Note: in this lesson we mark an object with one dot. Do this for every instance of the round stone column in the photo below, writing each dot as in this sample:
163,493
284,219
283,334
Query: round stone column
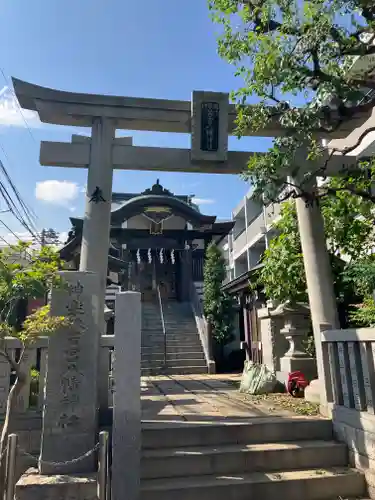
319,285
97,219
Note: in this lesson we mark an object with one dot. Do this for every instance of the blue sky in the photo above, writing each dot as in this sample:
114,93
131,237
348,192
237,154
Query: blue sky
149,48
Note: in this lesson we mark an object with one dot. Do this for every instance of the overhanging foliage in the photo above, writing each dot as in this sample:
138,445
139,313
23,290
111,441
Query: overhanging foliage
295,60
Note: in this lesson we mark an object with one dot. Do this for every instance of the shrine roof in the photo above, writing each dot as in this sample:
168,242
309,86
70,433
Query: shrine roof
122,197
153,198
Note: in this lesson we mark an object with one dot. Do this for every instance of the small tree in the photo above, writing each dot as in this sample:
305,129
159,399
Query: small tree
218,306
19,282
348,221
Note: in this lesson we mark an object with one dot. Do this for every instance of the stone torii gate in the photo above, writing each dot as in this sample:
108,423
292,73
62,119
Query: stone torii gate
209,118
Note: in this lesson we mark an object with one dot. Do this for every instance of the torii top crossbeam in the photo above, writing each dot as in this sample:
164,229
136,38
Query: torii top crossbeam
133,113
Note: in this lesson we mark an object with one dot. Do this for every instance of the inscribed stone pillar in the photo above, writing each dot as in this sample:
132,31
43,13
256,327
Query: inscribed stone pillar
96,224
70,410
126,430
319,280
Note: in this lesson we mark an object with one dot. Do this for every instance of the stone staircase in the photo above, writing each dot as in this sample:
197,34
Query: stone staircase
269,458
183,346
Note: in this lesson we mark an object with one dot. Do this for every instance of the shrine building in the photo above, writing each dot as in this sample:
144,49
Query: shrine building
157,240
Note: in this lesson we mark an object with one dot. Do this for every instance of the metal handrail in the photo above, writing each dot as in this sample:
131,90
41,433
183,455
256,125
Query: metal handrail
202,324
163,325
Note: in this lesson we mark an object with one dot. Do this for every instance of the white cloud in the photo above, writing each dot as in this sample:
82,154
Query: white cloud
13,239
7,239
60,193
10,113
203,201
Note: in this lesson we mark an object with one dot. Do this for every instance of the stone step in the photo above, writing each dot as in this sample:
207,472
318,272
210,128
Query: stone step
172,349
261,430
174,370
169,331
171,335
147,342
154,356
228,459
149,325
159,355
177,328
159,347
311,484
168,314
178,325
180,362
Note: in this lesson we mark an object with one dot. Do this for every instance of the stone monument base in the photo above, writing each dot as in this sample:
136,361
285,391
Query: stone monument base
34,486
292,364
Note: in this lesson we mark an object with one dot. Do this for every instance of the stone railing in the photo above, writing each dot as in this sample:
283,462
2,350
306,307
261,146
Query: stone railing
350,355
349,365
34,362
203,327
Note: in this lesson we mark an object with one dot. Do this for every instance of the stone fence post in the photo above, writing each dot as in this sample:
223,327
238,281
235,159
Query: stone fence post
126,430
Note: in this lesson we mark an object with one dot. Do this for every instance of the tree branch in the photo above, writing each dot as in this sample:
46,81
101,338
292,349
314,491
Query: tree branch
359,192
14,365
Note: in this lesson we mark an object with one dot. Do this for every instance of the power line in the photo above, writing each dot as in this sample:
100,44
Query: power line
30,215
13,209
10,230
24,214
5,241
15,235
18,106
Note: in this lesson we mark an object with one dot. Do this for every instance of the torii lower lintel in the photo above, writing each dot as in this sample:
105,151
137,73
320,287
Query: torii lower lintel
127,157
77,155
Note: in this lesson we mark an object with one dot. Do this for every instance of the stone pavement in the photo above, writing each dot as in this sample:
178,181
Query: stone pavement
199,398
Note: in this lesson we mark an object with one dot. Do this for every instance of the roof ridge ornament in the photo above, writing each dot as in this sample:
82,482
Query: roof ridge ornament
157,189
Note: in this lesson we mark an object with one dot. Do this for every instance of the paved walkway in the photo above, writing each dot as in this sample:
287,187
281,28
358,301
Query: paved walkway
199,398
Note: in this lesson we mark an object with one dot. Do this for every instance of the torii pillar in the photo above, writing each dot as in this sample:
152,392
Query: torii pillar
323,306
97,219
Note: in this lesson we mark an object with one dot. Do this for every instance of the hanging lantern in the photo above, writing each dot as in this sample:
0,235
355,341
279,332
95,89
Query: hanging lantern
173,260
138,256
161,257
149,256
